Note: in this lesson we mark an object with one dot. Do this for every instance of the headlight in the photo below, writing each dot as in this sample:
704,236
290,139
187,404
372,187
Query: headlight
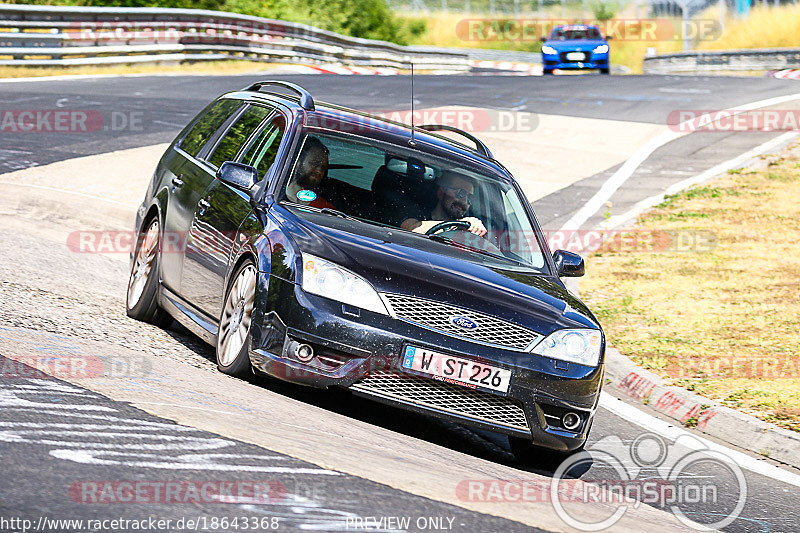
328,279
602,49
549,50
580,346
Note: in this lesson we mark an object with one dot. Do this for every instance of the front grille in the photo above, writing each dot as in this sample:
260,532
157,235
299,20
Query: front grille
436,315
446,397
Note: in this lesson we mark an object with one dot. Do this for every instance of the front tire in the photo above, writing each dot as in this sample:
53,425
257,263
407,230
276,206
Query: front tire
547,72
605,71
233,336
141,302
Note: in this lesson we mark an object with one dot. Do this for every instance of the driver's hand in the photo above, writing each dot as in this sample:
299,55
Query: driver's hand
475,226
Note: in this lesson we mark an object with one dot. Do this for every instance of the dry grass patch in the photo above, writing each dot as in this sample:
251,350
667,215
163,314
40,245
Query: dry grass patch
722,320
198,67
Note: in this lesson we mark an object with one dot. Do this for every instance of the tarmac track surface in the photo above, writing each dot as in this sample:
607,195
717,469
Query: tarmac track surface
45,289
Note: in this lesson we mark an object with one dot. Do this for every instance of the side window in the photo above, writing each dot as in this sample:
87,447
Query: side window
207,125
235,138
355,163
262,151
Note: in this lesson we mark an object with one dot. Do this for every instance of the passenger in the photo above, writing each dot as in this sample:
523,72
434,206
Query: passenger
455,193
311,171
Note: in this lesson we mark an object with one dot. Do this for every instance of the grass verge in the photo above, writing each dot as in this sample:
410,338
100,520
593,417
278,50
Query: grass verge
723,320
765,27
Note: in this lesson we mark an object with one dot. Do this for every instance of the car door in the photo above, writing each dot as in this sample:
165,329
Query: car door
188,180
252,139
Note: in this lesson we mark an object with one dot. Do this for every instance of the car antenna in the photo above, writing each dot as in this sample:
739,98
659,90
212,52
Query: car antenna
411,142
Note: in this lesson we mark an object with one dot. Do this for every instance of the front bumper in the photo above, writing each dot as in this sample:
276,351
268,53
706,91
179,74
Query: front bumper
555,61
363,353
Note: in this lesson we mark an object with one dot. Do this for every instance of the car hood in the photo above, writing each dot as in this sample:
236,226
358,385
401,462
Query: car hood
577,45
396,261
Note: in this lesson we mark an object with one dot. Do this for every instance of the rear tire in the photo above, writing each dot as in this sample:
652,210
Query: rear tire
605,71
233,336
141,302
547,72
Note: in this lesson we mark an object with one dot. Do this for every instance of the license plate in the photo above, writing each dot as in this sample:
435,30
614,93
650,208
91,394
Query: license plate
575,56
456,370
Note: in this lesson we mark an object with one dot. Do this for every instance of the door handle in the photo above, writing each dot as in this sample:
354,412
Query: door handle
203,206
177,182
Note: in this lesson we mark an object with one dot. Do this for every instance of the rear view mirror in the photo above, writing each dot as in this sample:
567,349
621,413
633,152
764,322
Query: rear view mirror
238,175
568,264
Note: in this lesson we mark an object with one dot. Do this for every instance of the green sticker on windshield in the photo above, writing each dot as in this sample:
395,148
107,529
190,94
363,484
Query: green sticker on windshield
306,196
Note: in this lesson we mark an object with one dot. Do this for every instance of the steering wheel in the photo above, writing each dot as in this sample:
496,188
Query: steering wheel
448,225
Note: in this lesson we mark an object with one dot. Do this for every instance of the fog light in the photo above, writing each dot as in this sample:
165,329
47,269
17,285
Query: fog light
571,421
304,353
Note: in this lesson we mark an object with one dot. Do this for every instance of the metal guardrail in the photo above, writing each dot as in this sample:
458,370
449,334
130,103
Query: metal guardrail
59,35
729,60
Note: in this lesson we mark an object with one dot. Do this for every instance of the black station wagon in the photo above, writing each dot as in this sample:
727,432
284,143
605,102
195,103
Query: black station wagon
328,247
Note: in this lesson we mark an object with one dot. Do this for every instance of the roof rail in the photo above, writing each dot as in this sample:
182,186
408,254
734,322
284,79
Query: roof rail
306,101
480,147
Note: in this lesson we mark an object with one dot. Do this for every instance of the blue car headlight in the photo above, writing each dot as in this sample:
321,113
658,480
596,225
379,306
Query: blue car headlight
581,346
602,49
324,278
549,50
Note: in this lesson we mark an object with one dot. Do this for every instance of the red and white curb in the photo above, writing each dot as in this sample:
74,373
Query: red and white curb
338,69
519,69
787,74
507,67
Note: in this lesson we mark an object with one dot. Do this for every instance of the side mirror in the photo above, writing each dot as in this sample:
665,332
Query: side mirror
238,175
609,37
568,264
543,39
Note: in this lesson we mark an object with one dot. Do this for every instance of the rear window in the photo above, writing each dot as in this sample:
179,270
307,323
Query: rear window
209,122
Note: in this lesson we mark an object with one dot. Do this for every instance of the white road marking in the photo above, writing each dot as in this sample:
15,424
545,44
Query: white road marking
185,462
151,446
613,183
675,188
671,432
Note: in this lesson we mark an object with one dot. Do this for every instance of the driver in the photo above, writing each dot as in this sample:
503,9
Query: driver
455,193
312,170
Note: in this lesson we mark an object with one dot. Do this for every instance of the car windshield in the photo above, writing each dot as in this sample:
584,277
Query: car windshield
570,34
390,185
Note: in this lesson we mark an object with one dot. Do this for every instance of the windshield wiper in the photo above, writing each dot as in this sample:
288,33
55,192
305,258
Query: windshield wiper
445,240
337,213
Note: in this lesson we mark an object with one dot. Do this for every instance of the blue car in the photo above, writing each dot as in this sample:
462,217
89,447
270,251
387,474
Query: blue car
575,47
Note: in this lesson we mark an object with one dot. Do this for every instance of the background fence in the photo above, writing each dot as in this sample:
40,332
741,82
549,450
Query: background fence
727,61
58,35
